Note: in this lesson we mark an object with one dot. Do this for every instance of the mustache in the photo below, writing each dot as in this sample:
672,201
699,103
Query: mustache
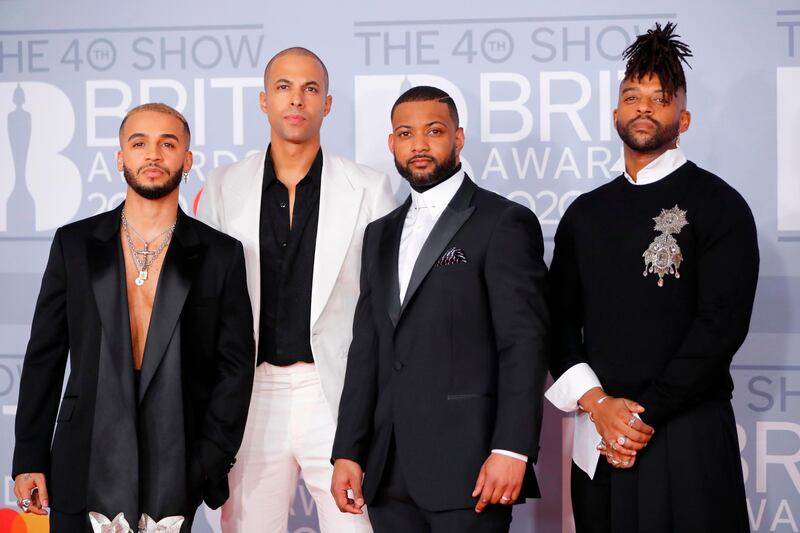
142,168
421,157
649,119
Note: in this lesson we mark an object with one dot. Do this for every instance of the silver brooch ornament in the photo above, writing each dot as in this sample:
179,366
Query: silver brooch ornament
664,256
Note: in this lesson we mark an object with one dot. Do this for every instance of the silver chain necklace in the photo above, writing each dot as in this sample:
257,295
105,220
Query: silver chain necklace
148,256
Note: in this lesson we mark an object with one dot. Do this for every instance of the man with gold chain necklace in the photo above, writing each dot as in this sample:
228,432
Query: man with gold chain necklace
151,308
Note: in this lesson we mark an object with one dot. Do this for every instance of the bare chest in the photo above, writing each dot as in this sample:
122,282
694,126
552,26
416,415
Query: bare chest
141,289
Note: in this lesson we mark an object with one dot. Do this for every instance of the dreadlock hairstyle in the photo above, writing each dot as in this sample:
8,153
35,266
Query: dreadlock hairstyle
658,52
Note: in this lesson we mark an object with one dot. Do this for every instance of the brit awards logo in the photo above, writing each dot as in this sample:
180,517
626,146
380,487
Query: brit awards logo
40,188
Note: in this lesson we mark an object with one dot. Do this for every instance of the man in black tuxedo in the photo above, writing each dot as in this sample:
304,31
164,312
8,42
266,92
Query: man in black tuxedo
151,307
442,402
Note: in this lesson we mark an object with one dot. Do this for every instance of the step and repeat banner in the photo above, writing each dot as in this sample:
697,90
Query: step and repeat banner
535,83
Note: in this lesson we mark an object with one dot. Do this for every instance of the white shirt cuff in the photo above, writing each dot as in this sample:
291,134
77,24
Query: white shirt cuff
585,439
564,394
512,454
572,384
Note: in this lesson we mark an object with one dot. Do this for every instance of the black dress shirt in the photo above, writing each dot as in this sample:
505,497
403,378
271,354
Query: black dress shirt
287,266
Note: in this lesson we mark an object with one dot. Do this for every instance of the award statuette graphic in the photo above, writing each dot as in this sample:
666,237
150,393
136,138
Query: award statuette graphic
664,256
21,208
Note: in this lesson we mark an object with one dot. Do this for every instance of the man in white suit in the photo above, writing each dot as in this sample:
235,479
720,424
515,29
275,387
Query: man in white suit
300,214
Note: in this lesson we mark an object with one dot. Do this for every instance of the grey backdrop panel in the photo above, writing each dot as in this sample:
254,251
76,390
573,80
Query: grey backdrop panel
535,84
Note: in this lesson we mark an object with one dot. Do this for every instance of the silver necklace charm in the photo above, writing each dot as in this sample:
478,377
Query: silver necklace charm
664,256
148,256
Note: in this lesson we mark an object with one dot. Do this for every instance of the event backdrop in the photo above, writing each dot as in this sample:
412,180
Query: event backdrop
535,83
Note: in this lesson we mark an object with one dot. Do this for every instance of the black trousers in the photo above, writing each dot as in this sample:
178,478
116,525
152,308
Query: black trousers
394,511
69,523
670,488
591,499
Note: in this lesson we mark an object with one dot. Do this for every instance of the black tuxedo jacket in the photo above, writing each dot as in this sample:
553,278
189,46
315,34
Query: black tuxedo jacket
202,288
458,369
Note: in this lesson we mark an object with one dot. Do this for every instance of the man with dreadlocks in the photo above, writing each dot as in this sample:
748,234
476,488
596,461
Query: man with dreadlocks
648,316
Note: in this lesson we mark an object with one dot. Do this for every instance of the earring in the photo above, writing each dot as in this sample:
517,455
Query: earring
678,141
185,176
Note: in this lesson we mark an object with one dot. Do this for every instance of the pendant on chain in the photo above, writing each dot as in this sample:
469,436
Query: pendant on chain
149,256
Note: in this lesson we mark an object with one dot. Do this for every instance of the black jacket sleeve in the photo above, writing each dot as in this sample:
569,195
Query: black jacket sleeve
515,276
356,408
229,402
43,369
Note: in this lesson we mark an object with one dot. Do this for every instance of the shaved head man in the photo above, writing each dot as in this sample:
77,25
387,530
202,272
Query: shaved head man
300,211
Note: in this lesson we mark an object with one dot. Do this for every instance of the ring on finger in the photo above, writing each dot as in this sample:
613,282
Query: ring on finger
615,461
613,445
631,421
621,440
505,499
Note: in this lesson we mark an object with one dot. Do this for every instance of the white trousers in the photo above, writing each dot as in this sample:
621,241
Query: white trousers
289,429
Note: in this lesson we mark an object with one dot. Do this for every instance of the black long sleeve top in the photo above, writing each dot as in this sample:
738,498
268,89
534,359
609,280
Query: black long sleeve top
668,347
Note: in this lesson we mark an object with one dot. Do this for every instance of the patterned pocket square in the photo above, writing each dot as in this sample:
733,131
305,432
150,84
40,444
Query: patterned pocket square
453,256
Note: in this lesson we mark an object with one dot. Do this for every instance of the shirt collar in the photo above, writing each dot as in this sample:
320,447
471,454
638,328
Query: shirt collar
658,168
439,196
314,173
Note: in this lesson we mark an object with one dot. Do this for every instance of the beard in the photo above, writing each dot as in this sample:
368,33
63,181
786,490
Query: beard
153,192
441,170
661,136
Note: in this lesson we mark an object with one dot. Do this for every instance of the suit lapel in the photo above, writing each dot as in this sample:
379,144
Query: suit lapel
243,201
106,272
453,217
339,206
176,277
241,194
389,250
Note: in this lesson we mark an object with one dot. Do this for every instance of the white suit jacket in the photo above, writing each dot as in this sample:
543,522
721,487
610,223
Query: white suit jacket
351,196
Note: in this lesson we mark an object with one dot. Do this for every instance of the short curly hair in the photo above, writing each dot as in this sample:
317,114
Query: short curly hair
426,93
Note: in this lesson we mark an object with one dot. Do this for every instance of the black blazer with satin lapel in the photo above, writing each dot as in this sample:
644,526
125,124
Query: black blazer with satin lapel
202,286
458,368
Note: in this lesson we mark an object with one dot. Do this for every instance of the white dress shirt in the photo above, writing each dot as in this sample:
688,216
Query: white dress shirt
580,378
426,208
656,169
